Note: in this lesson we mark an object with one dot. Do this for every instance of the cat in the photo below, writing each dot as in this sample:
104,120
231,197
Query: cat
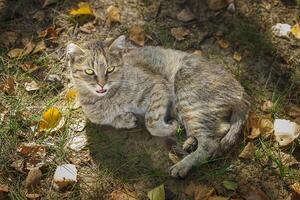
168,87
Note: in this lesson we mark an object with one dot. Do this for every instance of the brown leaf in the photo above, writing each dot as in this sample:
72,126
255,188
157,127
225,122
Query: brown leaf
293,111
28,67
266,126
237,56
124,195
252,193
216,4
137,35
180,33
255,132
296,187
32,149
8,39
185,15
113,15
33,178
41,46
288,160
14,53
248,151
4,189
8,85
49,32
267,106
224,44
199,192
33,196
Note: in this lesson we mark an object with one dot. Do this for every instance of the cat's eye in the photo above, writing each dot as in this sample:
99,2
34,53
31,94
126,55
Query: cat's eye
89,72
110,69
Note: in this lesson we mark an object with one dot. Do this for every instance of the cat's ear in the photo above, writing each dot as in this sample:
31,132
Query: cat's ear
73,51
119,44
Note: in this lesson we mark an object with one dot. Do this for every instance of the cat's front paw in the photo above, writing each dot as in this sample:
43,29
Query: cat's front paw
127,120
180,169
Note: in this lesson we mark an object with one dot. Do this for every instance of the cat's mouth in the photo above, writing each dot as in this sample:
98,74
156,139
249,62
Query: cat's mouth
101,91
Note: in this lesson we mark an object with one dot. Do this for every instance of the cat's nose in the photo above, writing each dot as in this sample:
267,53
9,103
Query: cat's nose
101,82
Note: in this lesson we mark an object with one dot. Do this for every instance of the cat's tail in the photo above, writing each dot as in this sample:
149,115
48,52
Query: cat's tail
238,118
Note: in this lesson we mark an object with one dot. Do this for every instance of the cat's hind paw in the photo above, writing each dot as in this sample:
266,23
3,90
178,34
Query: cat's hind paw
190,145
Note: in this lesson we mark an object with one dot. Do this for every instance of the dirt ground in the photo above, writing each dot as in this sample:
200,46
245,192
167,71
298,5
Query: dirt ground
132,161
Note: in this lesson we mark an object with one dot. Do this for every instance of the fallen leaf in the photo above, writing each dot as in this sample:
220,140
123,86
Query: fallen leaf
224,44
8,39
32,149
4,188
71,95
152,10
39,15
252,193
78,124
198,52
51,119
296,30
248,151
180,33
41,46
137,35
237,56
266,126
295,187
28,67
113,15
157,193
199,192
285,131
185,15
65,175
33,196
77,143
31,86
293,111
49,32
14,53
83,9
122,195
216,4
8,85
281,30
33,178
230,185
267,106
88,28
288,160
17,52
49,2
255,132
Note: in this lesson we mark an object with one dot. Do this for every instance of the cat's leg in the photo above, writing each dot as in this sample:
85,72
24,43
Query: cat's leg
207,146
159,111
125,120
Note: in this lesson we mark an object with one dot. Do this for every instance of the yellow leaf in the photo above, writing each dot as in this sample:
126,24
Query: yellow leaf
296,187
50,119
113,14
237,56
137,35
224,44
71,95
296,30
83,9
157,193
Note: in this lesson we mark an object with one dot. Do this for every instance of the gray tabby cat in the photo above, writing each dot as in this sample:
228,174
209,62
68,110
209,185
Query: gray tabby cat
167,87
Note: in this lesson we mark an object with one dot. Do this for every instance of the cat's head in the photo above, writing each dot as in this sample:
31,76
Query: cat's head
96,66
